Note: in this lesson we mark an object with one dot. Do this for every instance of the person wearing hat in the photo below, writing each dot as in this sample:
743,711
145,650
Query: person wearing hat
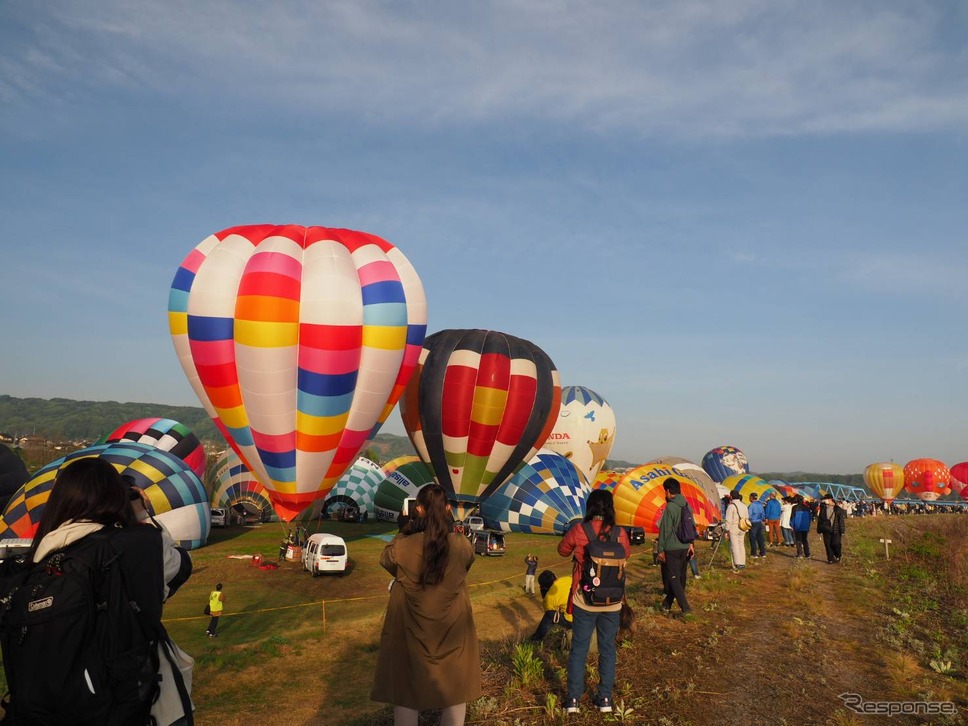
735,512
831,525
531,567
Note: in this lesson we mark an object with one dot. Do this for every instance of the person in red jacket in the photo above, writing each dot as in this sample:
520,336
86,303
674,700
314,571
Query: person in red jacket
603,619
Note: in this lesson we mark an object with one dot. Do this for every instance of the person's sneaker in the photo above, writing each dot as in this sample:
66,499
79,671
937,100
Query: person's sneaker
571,705
697,577
603,704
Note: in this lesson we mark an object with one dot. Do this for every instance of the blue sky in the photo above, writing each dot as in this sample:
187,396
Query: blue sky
741,222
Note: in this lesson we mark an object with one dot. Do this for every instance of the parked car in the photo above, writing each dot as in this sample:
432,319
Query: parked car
220,517
474,523
636,535
325,553
488,542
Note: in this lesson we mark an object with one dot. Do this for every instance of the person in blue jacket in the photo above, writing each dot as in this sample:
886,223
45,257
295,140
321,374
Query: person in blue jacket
800,521
774,512
758,520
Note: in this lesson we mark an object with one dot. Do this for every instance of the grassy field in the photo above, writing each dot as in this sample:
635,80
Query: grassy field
779,643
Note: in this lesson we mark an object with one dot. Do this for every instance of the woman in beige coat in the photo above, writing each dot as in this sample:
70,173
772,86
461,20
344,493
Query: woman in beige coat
429,656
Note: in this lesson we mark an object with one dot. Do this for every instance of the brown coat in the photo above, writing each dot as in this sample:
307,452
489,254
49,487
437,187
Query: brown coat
429,655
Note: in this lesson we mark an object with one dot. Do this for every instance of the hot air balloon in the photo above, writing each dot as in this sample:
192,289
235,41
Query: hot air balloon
640,498
607,480
543,496
13,474
724,461
693,472
584,431
164,434
298,342
885,479
927,479
178,499
959,479
747,484
404,481
481,403
236,485
356,488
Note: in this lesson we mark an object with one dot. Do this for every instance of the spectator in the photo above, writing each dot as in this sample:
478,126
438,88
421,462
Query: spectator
774,513
800,519
786,510
555,592
673,554
831,525
531,563
735,513
216,603
758,520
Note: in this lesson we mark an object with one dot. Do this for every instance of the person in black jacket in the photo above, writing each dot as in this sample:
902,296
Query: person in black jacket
831,525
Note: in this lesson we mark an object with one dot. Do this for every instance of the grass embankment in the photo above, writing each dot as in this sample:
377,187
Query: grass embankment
777,643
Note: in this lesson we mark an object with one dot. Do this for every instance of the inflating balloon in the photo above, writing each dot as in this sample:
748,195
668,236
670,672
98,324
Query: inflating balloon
403,482
178,499
927,479
13,474
724,461
356,488
164,434
584,430
747,484
481,403
607,479
885,479
640,499
298,342
691,471
544,496
235,484
959,479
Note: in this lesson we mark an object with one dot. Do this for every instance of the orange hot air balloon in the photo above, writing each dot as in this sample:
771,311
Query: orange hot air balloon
885,479
640,499
927,479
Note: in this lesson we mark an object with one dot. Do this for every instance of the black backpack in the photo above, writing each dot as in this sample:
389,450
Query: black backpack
602,579
686,532
74,605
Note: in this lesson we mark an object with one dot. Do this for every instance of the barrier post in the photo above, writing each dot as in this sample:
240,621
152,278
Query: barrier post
324,617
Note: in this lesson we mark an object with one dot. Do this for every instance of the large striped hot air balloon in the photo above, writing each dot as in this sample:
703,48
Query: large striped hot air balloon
178,499
481,403
545,495
298,342
927,479
724,461
164,434
584,430
885,479
640,499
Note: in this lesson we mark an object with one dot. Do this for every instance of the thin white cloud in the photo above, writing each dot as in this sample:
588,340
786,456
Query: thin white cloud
915,273
690,69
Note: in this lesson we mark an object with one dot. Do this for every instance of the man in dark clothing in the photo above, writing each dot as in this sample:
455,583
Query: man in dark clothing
831,525
800,522
673,554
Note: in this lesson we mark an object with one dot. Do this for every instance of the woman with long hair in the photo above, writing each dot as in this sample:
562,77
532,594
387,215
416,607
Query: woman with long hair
90,520
429,656
588,617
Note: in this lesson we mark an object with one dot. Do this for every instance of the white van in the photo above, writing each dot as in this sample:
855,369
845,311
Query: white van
325,553
219,517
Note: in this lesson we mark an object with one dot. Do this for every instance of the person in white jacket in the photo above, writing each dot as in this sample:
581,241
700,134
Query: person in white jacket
735,511
786,509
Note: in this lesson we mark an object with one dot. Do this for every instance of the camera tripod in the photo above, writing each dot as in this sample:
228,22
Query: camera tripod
717,534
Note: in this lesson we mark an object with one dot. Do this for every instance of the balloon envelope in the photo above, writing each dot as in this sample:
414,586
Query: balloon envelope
404,481
640,498
607,479
13,474
177,496
164,434
235,484
885,479
480,404
357,487
693,472
584,430
747,484
724,461
959,479
544,496
298,342
927,479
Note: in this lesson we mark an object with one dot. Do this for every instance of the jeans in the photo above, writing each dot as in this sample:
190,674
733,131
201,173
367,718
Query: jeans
674,579
547,622
787,535
757,540
803,544
583,623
